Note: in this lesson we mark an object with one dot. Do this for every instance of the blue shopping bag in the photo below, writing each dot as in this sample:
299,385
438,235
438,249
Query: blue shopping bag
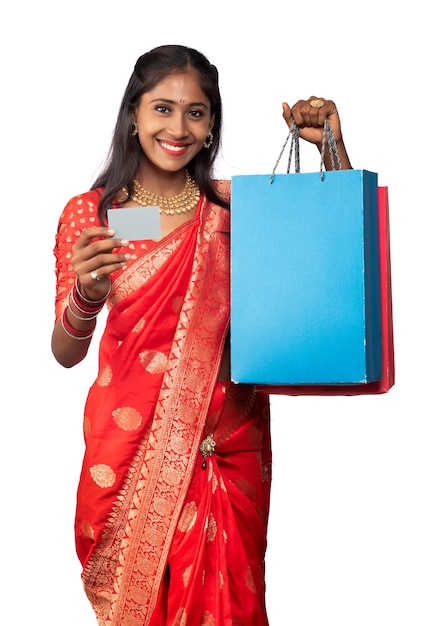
305,289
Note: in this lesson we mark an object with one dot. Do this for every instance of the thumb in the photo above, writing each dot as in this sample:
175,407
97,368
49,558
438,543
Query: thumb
287,114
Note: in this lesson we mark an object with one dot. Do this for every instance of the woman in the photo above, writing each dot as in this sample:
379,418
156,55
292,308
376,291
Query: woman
173,498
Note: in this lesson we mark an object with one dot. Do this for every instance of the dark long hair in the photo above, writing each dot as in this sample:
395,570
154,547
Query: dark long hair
125,152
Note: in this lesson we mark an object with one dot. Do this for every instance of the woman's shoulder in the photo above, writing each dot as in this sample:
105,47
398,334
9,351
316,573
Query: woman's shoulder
222,188
87,198
84,206
220,212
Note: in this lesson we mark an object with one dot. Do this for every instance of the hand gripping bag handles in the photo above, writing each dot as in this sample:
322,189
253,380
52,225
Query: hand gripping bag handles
310,280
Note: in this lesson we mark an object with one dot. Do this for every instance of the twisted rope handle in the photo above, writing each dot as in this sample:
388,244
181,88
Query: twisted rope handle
327,137
294,145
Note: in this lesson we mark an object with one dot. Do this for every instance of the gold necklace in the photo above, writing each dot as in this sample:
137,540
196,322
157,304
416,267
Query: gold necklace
182,203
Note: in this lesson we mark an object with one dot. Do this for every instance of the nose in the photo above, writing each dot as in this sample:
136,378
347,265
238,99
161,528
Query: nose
177,127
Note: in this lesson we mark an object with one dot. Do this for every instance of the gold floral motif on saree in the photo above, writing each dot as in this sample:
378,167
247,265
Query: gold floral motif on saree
105,376
127,418
103,475
153,361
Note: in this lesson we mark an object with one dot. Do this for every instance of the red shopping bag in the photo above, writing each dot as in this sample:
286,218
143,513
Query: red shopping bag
388,372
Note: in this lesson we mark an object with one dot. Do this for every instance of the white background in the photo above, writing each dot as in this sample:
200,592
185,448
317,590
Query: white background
356,519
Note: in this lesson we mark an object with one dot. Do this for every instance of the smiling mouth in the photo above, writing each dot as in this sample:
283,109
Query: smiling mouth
176,148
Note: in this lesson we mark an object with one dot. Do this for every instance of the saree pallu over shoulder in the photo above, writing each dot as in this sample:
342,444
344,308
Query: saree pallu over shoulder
146,412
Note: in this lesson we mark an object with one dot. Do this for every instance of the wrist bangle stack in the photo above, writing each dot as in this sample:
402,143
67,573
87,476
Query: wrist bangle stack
90,308
73,332
85,310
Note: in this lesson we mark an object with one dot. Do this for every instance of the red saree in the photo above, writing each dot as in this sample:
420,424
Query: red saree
166,539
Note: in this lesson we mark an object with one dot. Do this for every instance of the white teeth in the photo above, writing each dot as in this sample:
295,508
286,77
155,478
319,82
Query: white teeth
173,148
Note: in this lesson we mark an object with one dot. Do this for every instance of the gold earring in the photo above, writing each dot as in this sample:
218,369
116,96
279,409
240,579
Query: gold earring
135,130
209,140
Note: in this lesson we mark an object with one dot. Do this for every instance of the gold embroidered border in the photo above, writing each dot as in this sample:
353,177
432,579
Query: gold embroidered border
177,428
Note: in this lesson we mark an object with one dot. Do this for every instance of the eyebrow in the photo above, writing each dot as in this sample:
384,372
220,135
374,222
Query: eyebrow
191,104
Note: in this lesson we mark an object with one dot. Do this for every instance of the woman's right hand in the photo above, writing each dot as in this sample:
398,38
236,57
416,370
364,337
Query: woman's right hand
94,259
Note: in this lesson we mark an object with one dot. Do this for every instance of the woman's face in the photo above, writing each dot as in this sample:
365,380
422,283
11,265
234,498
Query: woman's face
173,121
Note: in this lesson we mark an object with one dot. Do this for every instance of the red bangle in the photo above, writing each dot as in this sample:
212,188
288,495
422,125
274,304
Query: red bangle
87,315
83,304
73,332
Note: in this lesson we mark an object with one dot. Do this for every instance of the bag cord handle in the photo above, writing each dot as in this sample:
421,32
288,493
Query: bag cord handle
327,138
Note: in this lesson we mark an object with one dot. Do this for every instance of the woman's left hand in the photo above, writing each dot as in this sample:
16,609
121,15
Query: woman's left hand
310,118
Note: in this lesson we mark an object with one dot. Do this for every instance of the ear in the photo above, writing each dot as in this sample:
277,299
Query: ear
212,122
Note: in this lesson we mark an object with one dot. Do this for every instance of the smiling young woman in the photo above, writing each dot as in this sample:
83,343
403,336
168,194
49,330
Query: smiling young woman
173,122
174,491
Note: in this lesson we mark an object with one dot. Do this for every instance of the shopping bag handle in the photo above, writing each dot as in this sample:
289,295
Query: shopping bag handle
327,138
